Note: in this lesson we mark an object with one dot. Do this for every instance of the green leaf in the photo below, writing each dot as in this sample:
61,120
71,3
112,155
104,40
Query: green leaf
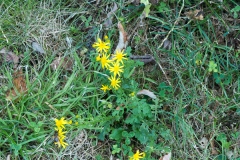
36,129
223,139
145,2
235,10
33,124
147,10
226,145
142,137
235,15
228,79
162,7
146,110
16,148
101,136
131,134
126,149
235,135
128,51
221,157
125,134
166,134
147,7
199,56
127,141
218,77
98,157
131,119
130,67
116,149
116,134
212,66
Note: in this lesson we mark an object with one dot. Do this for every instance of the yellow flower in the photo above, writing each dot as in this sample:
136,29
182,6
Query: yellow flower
105,88
137,156
70,122
60,123
198,62
106,39
101,46
60,126
116,69
119,56
98,58
114,82
105,61
61,138
132,94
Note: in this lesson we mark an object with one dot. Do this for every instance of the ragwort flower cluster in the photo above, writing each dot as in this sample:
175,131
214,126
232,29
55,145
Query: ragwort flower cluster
113,63
60,128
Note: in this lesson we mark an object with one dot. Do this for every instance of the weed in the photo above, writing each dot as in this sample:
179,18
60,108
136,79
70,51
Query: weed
193,79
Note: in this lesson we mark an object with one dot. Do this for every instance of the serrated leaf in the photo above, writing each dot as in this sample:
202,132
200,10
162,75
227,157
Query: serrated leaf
116,134
146,111
142,137
131,119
